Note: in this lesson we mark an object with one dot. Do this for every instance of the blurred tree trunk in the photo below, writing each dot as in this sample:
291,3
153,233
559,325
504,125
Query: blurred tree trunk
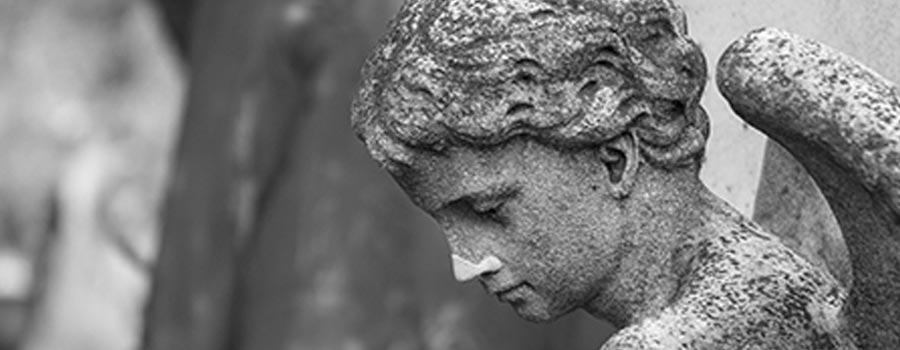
177,16
279,231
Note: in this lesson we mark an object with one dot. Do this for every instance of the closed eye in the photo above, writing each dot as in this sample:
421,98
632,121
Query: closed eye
490,210
486,204
473,212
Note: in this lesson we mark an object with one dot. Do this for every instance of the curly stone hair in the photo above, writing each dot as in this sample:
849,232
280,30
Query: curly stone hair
567,73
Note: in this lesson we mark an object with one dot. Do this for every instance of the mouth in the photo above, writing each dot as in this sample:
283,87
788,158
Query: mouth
511,293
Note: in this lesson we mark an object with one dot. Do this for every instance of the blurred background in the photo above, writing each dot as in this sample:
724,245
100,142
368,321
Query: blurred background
181,175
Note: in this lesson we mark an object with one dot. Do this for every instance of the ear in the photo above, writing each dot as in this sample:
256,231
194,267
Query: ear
621,156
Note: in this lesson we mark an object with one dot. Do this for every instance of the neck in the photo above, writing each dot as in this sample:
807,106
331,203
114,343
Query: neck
669,213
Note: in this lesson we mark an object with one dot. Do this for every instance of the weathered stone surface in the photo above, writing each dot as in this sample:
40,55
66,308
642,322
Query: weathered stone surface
453,72
840,120
564,141
790,205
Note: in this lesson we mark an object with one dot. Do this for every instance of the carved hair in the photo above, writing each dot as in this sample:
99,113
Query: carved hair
567,73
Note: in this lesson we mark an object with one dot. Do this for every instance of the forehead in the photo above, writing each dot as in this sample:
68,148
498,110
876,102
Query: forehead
437,179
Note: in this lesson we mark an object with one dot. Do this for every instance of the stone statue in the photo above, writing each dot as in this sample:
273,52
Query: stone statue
558,145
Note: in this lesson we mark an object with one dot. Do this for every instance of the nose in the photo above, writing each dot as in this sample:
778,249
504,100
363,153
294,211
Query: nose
465,270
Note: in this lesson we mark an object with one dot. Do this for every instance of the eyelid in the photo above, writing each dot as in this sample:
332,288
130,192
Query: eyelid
491,210
483,206
487,199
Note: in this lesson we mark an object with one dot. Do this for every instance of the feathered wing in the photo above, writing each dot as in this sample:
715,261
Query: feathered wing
841,120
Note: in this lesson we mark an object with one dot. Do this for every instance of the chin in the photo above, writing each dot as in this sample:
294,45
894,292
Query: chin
535,313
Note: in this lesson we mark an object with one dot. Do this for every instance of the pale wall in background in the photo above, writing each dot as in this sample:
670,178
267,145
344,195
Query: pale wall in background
868,30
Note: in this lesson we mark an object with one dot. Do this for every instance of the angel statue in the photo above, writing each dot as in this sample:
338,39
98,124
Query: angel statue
558,145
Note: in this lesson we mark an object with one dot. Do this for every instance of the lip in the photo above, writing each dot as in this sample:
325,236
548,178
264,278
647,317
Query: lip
505,290
505,293
503,284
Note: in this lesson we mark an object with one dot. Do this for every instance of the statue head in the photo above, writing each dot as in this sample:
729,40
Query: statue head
523,125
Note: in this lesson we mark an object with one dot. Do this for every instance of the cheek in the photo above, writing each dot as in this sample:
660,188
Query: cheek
530,241
542,229
572,244
547,250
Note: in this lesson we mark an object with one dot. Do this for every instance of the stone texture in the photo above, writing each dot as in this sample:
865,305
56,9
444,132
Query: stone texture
839,119
790,205
867,30
602,66
564,140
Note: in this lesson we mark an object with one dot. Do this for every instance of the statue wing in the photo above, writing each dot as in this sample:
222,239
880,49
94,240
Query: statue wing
840,120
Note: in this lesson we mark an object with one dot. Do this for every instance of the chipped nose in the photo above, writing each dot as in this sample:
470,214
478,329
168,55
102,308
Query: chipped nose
465,270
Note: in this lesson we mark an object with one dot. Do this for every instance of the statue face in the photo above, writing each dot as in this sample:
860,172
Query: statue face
547,215
489,73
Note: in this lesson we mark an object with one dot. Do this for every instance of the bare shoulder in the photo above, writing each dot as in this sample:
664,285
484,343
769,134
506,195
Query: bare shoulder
746,291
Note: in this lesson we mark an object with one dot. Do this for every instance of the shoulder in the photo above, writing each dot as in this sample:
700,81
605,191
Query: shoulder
747,290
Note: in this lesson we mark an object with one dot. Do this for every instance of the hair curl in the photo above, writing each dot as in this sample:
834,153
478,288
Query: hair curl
568,73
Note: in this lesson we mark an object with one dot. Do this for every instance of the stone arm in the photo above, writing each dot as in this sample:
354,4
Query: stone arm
842,122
